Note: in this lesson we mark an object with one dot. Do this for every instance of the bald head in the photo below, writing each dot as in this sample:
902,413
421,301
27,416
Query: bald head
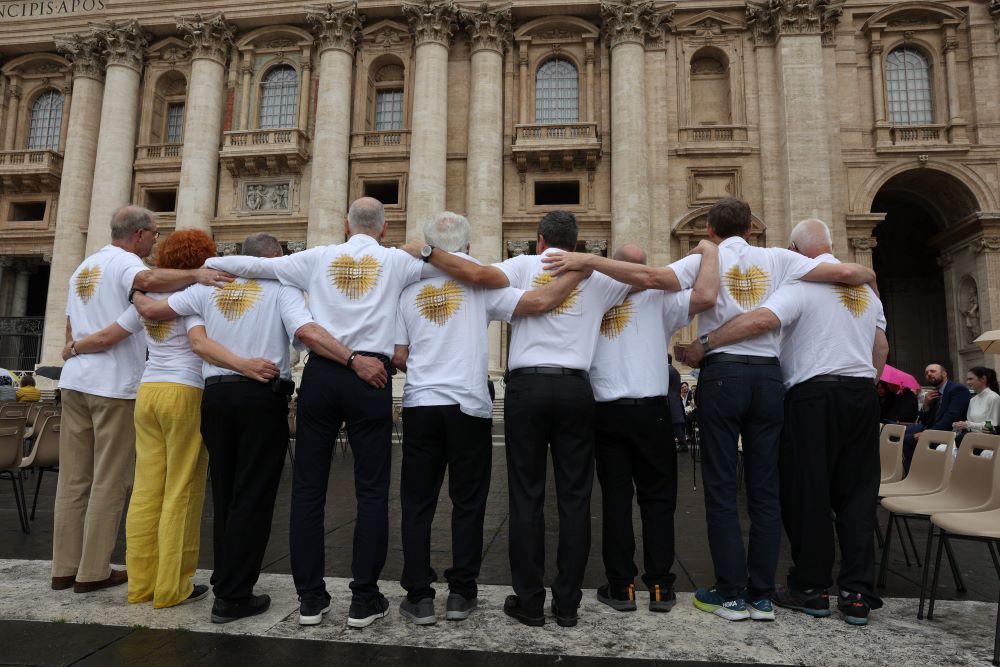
366,216
811,238
630,253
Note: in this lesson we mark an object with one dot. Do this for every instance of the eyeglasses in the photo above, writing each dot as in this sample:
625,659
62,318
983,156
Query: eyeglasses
155,233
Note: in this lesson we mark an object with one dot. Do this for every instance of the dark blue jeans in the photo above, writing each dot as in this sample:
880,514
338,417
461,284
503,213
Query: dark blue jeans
733,400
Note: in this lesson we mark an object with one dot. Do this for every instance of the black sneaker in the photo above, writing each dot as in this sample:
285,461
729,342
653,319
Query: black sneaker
312,608
512,607
661,598
420,612
565,618
198,592
459,607
363,613
853,608
812,601
618,600
226,612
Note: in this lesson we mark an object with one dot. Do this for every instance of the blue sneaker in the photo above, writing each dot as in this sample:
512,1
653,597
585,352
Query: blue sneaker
761,610
853,608
733,609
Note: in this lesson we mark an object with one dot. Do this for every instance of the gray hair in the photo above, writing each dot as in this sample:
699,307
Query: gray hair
811,237
448,231
262,245
366,215
127,220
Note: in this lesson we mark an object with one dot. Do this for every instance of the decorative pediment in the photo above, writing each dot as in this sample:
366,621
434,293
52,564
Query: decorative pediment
708,23
908,15
386,34
557,30
37,64
275,38
171,49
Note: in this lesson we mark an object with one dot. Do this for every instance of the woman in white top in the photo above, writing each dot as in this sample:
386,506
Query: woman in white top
163,527
985,405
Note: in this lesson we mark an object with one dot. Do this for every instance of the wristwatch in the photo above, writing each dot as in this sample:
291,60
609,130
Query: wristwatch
132,293
425,252
705,347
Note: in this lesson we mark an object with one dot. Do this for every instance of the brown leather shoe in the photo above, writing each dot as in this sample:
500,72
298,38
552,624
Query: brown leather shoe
62,583
117,578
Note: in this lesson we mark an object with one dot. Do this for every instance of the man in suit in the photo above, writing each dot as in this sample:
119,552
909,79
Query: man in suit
676,403
943,406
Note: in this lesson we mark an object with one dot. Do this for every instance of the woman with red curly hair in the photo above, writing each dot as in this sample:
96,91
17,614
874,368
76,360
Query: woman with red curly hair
163,527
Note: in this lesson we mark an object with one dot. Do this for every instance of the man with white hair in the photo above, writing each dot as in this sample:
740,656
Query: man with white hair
833,347
353,291
442,344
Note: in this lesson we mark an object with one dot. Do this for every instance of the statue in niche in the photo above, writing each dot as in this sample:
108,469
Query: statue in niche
255,197
970,315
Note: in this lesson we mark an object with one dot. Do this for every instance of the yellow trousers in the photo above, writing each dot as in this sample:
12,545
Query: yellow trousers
163,527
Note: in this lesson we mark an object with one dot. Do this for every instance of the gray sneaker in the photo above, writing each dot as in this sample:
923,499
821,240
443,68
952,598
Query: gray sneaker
420,612
459,607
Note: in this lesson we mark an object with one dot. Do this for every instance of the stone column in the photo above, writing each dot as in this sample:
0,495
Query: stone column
210,38
955,120
85,53
124,44
5,264
432,22
305,84
338,29
589,55
878,84
524,116
626,25
246,69
67,91
863,247
989,247
19,304
13,110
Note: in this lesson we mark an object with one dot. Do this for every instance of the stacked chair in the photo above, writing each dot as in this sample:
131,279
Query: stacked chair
11,454
45,454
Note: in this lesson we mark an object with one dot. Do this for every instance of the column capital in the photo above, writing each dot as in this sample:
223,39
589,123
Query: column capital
225,248
632,21
210,36
518,248
337,25
295,246
863,243
84,51
599,247
432,21
490,27
950,44
793,17
123,42
984,244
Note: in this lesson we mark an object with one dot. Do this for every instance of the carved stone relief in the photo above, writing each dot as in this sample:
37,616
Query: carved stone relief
261,197
969,305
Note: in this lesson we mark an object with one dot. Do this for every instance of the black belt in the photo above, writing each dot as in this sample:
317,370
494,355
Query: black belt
225,379
839,378
649,400
725,358
548,370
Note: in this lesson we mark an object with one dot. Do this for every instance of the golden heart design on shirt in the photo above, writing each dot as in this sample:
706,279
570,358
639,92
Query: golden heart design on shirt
747,289
158,330
86,282
236,299
616,319
853,297
545,278
353,278
438,304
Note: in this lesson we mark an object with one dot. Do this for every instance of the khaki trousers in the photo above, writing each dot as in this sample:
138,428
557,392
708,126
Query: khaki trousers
96,452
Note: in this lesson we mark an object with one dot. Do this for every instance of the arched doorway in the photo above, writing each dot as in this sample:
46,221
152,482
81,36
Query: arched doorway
918,205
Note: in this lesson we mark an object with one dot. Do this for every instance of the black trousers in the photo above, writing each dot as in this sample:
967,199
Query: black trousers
742,400
331,395
830,464
245,427
630,450
680,435
543,412
436,438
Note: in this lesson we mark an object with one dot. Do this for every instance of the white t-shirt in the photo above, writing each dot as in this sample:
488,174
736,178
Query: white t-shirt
170,356
826,329
444,323
353,287
252,318
566,336
98,295
631,357
749,276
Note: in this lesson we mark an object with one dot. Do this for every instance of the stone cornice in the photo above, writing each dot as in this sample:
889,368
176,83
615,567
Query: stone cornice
489,27
985,244
337,25
85,52
431,20
774,18
633,21
210,36
123,42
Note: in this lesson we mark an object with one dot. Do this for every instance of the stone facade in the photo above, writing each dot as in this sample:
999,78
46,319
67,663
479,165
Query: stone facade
635,114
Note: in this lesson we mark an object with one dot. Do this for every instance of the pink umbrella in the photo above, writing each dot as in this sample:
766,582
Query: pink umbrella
892,375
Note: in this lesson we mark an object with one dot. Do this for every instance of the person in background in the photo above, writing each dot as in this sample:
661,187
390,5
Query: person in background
7,390
985,403
28,392
887,401
675,401
906,406
942,407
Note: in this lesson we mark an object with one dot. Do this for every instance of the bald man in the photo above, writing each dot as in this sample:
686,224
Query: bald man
635,455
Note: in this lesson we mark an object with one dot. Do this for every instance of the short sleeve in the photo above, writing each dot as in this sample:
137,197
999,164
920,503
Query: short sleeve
133,267
295,269
791,266
500,303
516,270
686,270
880,321
402,336
786,303
294,312
193,321
676,309
130,320
188,301
409,266
612,291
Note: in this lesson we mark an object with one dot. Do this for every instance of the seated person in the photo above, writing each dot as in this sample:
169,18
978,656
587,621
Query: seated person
28,391
945,405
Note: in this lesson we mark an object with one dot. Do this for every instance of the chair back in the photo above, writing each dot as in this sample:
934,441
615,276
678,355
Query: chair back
11,443
33,411
46,451
976,475
15,410
890,451
930,468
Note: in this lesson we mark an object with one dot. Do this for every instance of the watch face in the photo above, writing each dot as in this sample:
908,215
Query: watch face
426,251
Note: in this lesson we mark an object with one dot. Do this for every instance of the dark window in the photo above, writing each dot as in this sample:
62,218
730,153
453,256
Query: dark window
557,193
161,201
386,192
33,211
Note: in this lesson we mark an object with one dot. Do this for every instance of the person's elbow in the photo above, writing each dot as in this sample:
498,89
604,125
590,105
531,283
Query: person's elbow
702,301
764,322
143,280
533,304
399,358
308,335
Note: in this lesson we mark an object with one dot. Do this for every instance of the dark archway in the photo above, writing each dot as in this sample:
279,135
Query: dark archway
918,204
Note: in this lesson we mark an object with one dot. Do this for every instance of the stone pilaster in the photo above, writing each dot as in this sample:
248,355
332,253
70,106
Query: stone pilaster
518,248
337,28
87,57
13,110
627,24
862,248
955,119
988,246
767,22
432,23
211,39
124,45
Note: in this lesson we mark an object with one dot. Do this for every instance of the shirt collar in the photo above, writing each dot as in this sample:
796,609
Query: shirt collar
362,239
827,257
732,241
